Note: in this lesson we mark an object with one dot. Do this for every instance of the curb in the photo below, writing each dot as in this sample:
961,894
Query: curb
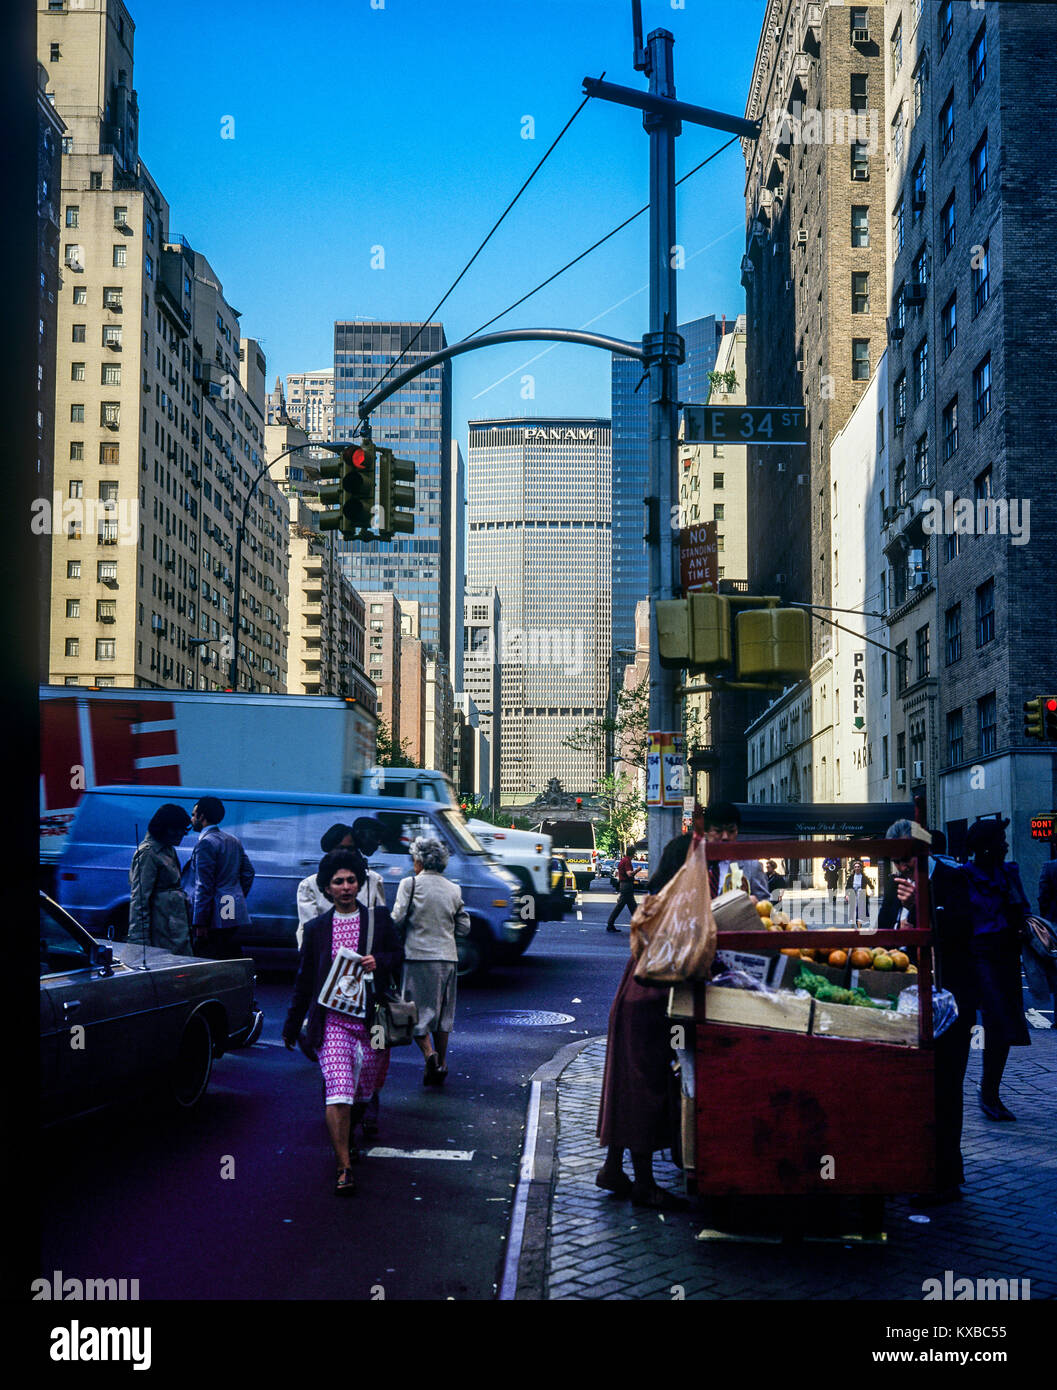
525,1264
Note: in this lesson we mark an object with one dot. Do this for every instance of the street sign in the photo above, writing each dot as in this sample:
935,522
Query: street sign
744,424
1042,826
698,558
665,769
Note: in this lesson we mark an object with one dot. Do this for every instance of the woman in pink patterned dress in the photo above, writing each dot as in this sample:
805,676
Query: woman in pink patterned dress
352,1069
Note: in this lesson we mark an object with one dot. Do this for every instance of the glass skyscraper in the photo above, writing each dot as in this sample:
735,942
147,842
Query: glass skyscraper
416,424
631,435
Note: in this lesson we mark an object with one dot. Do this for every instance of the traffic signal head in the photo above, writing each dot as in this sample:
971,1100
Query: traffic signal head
1034,723
396,494
694,632
1049,710
772,643
352,495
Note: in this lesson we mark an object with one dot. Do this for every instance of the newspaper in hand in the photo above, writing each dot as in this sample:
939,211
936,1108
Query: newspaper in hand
345,988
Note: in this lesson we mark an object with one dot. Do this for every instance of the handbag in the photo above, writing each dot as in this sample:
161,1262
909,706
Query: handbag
674,933
395,1016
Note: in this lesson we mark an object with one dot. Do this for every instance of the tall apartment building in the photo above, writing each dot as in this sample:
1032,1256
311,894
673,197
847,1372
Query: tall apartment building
631,434
415,423
383,639
159,412
482,615
970,513
50,130
440,718
457,550
414,699
814,270
539,531
310,402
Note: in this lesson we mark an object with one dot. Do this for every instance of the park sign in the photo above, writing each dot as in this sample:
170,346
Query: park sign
698,558
744,424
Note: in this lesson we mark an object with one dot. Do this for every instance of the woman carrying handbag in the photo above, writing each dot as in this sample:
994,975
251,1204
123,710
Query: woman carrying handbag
341,1029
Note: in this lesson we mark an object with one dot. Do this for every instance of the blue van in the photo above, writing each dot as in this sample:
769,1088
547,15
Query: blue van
280,832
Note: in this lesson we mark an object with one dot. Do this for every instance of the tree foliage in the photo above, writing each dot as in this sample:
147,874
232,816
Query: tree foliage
625,814
388,755
628,728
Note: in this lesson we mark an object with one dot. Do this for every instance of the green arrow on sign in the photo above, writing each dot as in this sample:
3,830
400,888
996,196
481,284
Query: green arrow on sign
858,721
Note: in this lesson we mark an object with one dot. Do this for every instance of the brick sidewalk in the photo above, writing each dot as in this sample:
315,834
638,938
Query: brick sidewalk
600,1247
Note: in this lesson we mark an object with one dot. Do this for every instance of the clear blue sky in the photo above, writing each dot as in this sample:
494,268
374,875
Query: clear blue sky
401,127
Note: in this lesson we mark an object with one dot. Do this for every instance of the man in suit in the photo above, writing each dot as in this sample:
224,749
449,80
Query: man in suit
720,820
220,876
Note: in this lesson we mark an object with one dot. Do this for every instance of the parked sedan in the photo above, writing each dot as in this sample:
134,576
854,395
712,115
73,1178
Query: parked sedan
120,1020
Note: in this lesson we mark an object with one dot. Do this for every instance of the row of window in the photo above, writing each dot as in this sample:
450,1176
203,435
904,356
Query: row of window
949,421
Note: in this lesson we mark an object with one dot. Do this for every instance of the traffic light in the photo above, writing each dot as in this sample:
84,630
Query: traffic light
396,493
1034,723
1049,709
694,632
772,643
352,496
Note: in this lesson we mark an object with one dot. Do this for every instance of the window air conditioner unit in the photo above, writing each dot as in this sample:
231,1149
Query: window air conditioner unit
801,478
800,364
895,331
860,36
918,579
901,776
779,579
915,293
801,237
107,618
919,771
860,173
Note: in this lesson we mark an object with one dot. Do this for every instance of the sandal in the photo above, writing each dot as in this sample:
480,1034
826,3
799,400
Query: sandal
346,1184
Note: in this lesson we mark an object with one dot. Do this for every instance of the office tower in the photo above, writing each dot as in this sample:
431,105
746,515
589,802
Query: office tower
159,412
970,512
415,423
630,406
539,532
814,270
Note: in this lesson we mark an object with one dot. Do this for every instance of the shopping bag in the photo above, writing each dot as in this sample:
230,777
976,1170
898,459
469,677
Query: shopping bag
675,930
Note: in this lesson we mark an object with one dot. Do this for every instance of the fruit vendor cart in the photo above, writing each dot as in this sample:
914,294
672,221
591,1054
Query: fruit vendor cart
797,1098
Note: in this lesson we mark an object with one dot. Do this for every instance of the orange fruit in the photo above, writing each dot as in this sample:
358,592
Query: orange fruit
861,958
790,951
797,924
764,909
900,960
837,958
883,961
807,953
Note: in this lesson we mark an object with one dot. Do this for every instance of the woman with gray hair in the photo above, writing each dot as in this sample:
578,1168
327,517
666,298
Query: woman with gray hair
430,909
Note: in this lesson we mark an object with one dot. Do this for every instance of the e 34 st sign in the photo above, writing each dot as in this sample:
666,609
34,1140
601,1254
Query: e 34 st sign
744,424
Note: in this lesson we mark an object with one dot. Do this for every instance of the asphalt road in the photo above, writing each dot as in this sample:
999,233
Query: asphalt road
238,1203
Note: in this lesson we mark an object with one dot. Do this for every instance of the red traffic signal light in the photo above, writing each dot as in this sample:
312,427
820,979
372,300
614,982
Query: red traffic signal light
355,456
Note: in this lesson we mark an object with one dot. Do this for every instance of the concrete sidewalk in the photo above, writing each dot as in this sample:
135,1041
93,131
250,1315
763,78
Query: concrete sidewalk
578,1242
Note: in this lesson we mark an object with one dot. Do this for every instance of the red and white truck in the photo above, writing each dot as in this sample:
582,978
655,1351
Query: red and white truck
94,738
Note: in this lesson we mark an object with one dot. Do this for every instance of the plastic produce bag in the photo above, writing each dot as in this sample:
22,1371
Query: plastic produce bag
944,1008
674,932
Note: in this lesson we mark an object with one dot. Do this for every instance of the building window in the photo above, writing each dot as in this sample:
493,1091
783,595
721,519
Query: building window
110,413
946,126
860,225
950,326
982,391
78,332
105,648
946,25
73,646
860,359
977,62
899,227
860,161
947,226
955,740
73,216
108,453
901,307
120,256
111,336
858,91
922,637
981,268
105,610
106,569
112,298
982,485
884,668
978,173
902,667
919,186
76,414
80,294
897,47
95,179
921,370
898,135
952,628
950,430
987,715
73,569
884,755
921,461
73,607
901,485
717,480
55,55
985,613
148,266
111,374
860,292
901,401
919,271
953,546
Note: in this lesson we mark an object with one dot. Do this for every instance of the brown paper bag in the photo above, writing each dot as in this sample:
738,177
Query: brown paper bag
674,932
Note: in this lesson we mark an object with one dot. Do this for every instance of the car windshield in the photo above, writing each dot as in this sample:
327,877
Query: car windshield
59,948
463,835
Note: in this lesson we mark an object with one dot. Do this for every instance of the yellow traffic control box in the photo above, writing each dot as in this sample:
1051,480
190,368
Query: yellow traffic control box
772,642
694,631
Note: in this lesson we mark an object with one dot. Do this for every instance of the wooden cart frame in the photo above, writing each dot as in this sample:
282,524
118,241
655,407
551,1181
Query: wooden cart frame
783,1113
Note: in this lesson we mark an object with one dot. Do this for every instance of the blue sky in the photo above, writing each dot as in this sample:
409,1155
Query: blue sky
401,127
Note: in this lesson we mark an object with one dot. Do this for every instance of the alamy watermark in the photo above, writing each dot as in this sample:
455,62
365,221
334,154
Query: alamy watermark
986,516
535,646
809,126
114,520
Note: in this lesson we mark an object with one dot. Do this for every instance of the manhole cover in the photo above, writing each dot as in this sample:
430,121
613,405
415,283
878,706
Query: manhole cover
528,1018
